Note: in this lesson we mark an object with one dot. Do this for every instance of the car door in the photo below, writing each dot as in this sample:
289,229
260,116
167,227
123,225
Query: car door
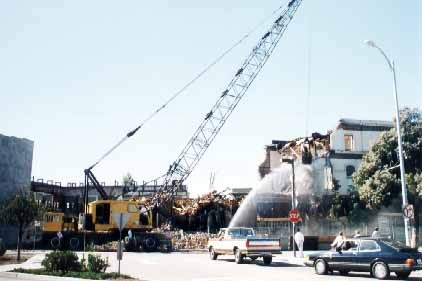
346,258
368,251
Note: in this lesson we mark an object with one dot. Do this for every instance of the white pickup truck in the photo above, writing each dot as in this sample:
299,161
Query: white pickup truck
242,242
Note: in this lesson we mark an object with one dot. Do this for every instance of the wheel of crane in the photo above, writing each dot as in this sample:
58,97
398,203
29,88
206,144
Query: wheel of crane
131,244
55,243
74,243
150,243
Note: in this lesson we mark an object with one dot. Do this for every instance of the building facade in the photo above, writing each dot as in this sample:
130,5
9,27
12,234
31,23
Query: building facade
15,174
334,157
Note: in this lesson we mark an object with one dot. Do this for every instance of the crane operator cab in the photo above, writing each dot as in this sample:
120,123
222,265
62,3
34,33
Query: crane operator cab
100,215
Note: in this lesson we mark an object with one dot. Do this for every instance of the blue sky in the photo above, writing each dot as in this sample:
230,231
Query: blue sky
75,76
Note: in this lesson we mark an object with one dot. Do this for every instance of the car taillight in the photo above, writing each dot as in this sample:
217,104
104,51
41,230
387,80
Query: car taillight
247,243
410,261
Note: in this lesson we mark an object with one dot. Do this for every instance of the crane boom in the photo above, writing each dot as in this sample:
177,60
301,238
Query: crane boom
227,102
214,120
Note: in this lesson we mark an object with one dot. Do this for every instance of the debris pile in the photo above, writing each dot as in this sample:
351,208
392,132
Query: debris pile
108,247
189,206
190,241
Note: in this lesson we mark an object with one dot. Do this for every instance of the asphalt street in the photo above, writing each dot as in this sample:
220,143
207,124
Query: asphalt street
198,267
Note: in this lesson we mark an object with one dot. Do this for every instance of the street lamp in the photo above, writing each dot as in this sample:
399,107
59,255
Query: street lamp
292,162
372,44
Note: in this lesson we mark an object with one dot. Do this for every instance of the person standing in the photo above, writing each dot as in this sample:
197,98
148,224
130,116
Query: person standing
299,239
375,234
338,242
357,234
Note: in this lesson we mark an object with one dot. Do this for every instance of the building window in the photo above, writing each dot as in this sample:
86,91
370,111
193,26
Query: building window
350,170
348,142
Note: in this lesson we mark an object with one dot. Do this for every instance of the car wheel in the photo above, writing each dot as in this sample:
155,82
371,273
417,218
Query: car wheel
267,260
213,255
380,270
403,275
321,267
238,256
344,272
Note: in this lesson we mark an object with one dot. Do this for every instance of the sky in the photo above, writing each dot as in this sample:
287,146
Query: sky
76,76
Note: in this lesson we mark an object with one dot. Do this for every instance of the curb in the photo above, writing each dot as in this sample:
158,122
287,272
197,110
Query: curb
27,276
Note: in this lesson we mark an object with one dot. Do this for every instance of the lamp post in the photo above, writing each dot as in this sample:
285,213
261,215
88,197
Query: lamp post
399,138
291,161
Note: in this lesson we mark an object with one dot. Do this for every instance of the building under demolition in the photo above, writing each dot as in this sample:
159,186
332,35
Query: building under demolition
334,157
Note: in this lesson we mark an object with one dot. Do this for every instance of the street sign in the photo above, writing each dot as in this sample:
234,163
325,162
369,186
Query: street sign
408,211
119,252
121,219
294,216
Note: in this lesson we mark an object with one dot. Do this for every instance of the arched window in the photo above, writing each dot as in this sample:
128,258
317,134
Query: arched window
350,170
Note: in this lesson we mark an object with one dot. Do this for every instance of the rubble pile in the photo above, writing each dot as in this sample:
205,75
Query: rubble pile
108,247
189,206
190,241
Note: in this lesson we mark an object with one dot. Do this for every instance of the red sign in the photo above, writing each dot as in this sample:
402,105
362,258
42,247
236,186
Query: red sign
294,216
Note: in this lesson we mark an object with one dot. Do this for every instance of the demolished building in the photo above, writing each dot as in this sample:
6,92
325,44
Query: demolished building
333,156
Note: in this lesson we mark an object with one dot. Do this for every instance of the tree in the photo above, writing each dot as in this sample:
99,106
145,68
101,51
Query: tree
378,177
20,211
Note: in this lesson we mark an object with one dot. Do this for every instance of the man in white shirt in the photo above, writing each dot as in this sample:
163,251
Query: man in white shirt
375,234
299,239
338,242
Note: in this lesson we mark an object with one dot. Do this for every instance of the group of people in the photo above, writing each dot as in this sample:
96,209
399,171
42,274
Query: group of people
341,238
338,242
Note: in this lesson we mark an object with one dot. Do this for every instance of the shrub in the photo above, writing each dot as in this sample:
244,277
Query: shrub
2,248
63,261
97,264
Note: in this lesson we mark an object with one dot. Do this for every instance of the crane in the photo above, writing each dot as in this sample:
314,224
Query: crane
214,120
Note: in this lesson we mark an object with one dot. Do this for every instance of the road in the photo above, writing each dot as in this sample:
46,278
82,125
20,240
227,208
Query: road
198,267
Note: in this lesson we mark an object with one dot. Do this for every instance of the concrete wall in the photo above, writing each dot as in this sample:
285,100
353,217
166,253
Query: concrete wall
15,173
362,140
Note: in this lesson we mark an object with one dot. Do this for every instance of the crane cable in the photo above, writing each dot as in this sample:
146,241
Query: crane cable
187,85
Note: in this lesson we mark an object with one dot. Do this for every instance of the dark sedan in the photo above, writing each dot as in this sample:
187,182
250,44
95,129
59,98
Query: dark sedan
377,256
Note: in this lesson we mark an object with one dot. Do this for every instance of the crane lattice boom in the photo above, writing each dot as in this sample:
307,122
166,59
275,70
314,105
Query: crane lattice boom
227,102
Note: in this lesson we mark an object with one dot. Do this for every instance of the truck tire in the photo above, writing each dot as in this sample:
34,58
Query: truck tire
238,257
213,255
267,260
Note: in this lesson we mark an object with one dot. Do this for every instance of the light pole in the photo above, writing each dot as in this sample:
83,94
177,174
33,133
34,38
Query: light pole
292,161
399,138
